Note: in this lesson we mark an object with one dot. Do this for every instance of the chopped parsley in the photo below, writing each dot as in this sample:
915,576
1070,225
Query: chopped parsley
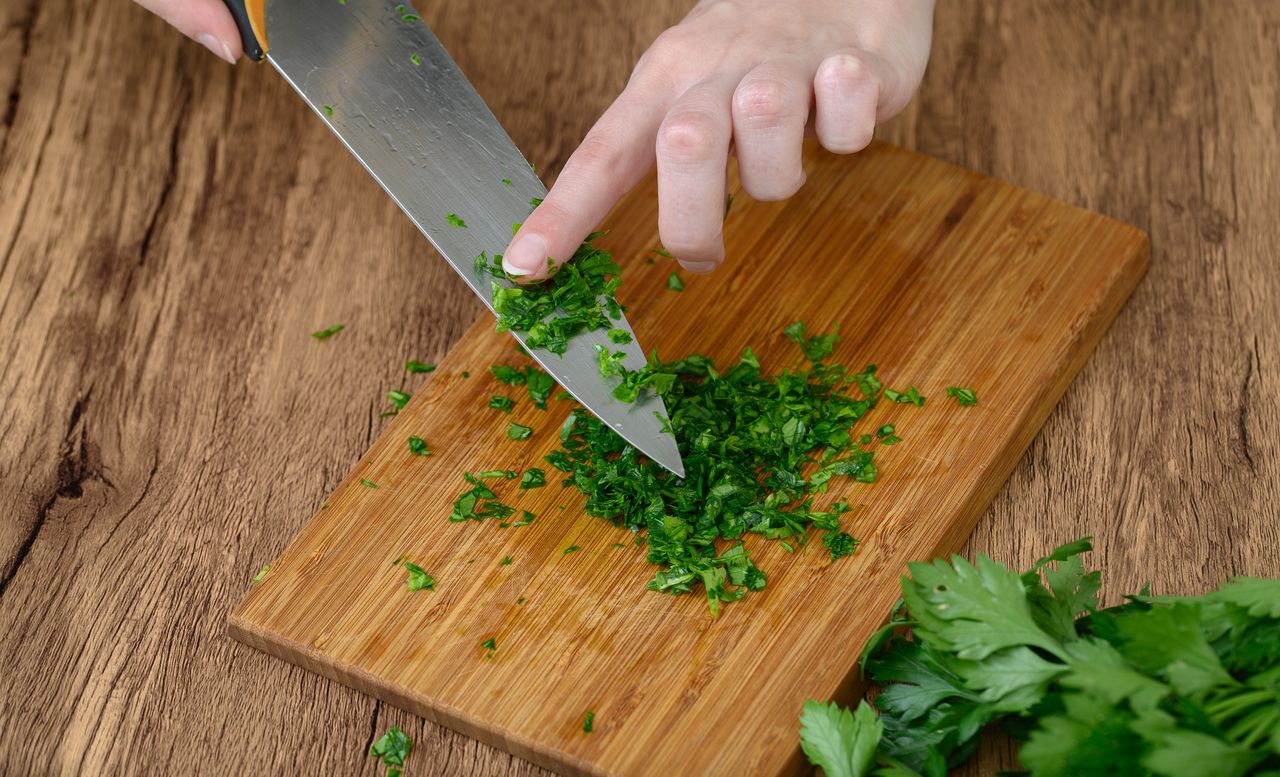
964,396
506,181
533,478
479,502
498,473
579,298
619,336
413,365
505,560
511,376
466,374
368,483
571,549
518,431
587,721
499,402
418,446
328,110
416,60
329,331
674,282
909,397
455,220
393,748
262,574
520,600
398,398
418,578
490,644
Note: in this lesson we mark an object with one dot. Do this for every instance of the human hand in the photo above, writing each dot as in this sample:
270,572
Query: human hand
746,75
207,22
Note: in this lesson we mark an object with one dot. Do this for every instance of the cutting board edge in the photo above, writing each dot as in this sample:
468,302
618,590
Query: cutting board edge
436,711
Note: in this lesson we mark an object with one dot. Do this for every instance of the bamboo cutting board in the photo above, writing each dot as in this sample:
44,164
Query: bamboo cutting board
939,275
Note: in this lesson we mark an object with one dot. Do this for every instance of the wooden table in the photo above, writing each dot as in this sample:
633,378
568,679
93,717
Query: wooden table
172,228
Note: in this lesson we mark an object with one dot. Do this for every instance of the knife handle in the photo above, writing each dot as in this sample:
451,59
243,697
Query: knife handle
251,19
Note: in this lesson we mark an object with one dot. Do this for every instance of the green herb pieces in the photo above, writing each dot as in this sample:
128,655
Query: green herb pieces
619,336
499,402
909,397
413,365
262,574
577,299
815,348
533,478
329,331
508,375
571,549
398,398
418,578
506,560
674,282
479,502
664,253
520,600
393,748
368,483
518,431
1155,686
588,721
418,446
416,60
466,374
490,644
506,182
328,110
964,396
411,17
497,473
539,384
455,220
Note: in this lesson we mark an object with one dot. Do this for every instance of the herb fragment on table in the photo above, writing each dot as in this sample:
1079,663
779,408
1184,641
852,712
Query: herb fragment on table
909,397
499,402
619,336
466,374
588,720
368,483
506,182
415,366
891,439
328,110
455,220
964,396
1158,685
539,385
398,398
490,644
418,578
815,348
393,747
571,549
416,60
518,431
479,502
512,376
674,282
533,478
262,574
506,560
507,474
418,446
520,600
411,17
329,331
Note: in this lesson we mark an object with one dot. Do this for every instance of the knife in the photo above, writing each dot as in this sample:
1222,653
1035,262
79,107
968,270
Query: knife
376,74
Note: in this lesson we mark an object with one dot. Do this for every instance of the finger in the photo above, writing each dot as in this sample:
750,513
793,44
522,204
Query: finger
693,152
770,111
613,157
847,90
207,22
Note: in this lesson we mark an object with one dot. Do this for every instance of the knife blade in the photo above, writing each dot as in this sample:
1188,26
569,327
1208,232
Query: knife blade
381,80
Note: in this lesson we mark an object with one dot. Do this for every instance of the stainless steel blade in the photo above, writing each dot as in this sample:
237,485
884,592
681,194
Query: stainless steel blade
380,79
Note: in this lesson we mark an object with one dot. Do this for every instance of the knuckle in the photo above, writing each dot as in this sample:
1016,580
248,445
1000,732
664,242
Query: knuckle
762,102
688,135
664,57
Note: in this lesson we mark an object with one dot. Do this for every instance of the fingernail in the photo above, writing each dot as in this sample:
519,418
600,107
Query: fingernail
526,255
699,267
221,50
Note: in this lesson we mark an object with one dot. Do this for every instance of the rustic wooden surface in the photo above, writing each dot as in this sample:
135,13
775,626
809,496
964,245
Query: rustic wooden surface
940,275
170,228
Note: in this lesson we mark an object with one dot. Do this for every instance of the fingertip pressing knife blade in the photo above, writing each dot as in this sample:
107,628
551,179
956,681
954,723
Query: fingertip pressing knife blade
381,80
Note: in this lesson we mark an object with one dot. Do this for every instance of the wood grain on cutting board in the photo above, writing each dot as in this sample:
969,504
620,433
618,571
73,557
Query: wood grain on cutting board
939,275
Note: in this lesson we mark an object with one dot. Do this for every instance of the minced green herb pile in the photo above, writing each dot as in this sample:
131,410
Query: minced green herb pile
1170,686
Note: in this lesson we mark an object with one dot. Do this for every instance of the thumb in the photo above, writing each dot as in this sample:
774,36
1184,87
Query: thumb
207,22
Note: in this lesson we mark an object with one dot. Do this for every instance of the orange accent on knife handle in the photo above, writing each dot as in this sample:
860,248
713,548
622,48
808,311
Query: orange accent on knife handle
251,19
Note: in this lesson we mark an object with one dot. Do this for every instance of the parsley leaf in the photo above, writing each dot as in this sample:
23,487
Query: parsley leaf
843,743
262,574
588,721
533,478
413,365
455,221
418,446
963,396
329,331
393,747
674,282
518,431
418,578
499,402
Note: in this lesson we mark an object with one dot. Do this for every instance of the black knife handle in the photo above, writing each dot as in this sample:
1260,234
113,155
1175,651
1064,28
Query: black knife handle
251,19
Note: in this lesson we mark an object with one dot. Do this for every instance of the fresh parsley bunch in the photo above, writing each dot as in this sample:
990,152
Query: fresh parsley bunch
1171,686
